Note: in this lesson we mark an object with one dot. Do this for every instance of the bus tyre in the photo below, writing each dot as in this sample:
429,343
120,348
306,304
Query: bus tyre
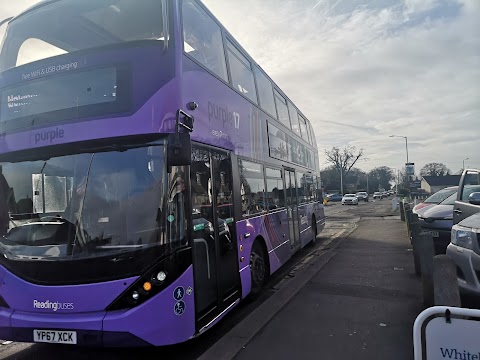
258,269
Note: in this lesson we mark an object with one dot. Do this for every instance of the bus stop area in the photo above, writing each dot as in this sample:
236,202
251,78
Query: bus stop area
357,300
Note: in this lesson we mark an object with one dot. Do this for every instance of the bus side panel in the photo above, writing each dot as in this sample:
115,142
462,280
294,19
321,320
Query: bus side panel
305,213
319,211
273,228
223,118
278,235
5,329
164,319
304,220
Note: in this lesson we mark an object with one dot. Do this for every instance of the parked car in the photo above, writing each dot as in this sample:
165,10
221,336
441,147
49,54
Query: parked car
334,197
468,196
438,221
362,195
378,195
350,199
434,199
464,250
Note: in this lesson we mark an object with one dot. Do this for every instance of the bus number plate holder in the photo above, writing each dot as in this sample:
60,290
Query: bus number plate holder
55,336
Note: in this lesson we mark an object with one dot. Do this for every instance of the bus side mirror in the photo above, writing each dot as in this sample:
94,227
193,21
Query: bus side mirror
179,150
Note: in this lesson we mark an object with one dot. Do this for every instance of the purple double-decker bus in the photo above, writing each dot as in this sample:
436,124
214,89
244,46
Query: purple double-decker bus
151,174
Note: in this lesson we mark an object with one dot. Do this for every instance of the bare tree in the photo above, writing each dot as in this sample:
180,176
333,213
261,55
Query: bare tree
343,160
434,169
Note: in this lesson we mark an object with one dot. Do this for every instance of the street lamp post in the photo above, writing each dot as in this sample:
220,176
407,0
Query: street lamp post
341,181
463,162
406,143
407,177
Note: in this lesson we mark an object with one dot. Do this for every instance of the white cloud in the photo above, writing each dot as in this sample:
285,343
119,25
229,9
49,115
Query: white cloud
418,6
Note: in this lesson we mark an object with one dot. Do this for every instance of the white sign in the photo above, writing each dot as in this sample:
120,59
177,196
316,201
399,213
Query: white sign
443,332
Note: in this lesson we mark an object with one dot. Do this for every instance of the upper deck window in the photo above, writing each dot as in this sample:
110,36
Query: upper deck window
241,73
282,109
36,49
294,118
202,39
309,133
312,135
303,127
265,92
71,25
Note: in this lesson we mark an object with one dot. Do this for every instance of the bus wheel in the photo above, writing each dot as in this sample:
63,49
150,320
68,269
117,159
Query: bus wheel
258,269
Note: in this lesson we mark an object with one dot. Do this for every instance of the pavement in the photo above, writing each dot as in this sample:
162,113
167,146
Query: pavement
360,305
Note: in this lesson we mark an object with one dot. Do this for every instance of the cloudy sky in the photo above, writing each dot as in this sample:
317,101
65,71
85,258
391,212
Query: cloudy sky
362,70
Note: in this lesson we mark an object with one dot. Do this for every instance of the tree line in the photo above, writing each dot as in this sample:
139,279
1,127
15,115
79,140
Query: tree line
342,170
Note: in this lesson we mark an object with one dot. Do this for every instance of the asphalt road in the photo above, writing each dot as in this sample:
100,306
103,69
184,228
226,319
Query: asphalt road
340,220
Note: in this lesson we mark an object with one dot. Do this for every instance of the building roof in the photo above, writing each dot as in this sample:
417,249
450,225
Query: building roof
447,180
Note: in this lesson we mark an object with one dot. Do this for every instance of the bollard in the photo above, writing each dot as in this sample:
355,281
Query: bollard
406,207
414,237
408,220
445,284
412,219
402,213
426,252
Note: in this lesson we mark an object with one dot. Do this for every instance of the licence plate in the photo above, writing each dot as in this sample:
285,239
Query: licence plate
433,233
55,336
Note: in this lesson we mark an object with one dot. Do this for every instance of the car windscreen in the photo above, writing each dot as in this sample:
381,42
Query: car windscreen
450,200
439,196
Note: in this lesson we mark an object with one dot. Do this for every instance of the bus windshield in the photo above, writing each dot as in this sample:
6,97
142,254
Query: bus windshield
64,26
85,205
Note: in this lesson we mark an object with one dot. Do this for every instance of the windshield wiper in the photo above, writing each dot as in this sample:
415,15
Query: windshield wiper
6,20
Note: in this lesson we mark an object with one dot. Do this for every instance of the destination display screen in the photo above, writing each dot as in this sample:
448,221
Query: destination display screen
61,96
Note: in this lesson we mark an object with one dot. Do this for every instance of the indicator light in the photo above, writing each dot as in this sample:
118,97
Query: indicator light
147,286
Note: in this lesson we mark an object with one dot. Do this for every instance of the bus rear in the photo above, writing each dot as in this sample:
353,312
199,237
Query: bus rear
92,225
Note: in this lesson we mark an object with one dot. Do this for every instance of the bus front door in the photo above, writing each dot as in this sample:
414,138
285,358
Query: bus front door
292,208
216,276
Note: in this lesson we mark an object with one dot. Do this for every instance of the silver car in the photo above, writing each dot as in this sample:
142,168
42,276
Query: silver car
362,195
350,199
464,250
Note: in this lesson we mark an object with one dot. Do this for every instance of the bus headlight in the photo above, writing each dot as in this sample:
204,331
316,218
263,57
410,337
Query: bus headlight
161,276
154,280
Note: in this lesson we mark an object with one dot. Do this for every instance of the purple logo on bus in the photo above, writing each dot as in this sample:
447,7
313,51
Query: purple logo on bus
221,113
49,135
